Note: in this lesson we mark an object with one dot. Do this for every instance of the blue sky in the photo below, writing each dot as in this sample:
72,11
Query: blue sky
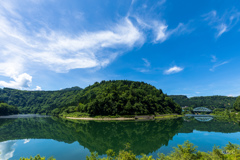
183,47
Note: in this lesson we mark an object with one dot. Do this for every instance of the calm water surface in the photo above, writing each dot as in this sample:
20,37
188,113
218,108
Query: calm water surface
64,139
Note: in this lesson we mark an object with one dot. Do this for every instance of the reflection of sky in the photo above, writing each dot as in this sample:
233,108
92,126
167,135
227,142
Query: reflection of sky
203,139
48,148
26,141
7,149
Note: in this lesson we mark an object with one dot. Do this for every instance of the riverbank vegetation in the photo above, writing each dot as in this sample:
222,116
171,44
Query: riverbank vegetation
6,109
187,151
37,157
225,114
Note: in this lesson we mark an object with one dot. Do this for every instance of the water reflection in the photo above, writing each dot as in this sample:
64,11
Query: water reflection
144,136
7,149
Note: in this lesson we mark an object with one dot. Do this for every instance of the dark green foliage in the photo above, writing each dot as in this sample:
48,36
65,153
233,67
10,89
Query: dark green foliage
6,109
210,102
37,157
72,89
237,104
187,151
42,102
106,98
125,98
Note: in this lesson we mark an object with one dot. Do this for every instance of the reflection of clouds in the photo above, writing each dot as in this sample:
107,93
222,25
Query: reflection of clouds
7,150
26,141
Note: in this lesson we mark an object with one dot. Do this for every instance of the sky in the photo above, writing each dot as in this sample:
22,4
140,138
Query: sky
182,47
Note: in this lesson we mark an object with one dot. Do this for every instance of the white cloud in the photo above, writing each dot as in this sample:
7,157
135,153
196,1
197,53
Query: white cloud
162,33
174,69
27,43
22,81
218,65
146,62
38,88
22,49
222,23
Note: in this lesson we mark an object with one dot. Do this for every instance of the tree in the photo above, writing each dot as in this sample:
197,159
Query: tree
236,105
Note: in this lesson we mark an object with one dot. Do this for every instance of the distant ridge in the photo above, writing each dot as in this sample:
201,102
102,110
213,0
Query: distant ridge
210,102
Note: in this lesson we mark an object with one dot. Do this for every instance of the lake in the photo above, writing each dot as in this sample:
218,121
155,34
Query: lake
66,139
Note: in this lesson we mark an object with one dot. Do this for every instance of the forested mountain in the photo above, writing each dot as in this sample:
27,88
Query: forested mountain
125,97
39,101
119,97
211,102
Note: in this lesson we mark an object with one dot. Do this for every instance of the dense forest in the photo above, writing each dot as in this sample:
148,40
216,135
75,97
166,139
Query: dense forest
125,98
236,105
211,102
119,97
6,109
39,101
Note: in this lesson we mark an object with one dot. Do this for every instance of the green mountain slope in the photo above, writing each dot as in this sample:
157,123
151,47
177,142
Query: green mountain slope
119,97
124,97
38,101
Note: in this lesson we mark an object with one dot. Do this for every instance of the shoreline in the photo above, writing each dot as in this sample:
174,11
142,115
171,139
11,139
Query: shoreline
148,117
106,119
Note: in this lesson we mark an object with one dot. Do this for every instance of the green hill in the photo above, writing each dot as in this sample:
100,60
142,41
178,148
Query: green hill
211,102
119,97
38,101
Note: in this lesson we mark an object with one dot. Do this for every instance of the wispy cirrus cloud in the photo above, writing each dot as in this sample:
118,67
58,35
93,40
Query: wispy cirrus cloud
174,69
27,42
22,47
146,68
222,23
214,58
218,65
160,30
146,62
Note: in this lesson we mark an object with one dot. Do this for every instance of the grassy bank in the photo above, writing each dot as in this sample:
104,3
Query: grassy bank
86,116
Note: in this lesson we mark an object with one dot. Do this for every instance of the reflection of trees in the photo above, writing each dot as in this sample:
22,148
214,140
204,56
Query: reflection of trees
144,137
214,125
